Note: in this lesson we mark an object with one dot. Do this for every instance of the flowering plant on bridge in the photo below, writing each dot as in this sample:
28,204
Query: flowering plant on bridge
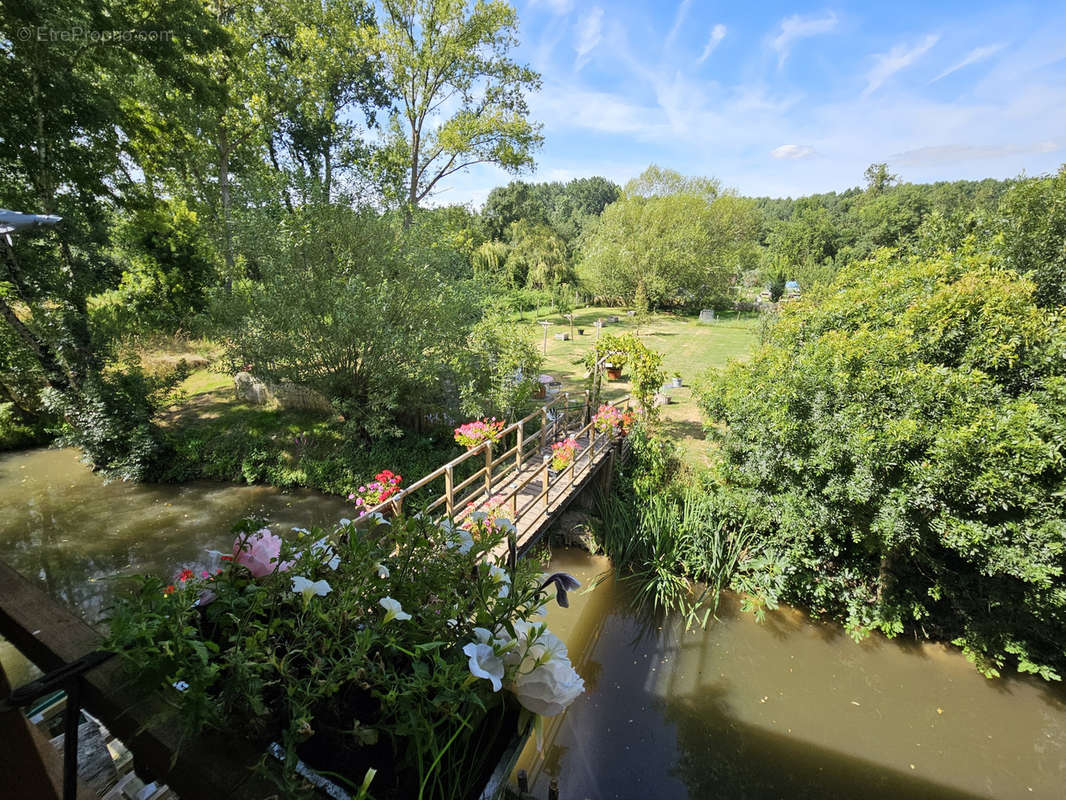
493,513
472,434
385,484
404,646
611,419
563,453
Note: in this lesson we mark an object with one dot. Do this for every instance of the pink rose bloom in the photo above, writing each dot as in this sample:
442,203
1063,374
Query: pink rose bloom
260,553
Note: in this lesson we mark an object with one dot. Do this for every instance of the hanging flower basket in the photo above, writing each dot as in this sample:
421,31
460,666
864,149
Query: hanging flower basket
613,373
474,434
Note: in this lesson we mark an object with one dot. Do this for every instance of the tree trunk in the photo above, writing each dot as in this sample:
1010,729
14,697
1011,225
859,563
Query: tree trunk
224,197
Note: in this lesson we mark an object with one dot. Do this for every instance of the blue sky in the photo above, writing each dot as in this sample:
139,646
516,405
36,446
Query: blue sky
788,99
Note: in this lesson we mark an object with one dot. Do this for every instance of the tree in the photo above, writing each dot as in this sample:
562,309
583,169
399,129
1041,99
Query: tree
1032,235
627,350
658,182
67,153
678,245
901,441
348,310
879,179
441,55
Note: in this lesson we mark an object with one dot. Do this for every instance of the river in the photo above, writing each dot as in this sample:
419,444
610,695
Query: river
787,708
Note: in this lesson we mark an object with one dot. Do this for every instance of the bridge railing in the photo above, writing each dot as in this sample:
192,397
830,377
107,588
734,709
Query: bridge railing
510,467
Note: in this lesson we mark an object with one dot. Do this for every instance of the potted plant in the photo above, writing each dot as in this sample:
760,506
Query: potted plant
476,433
563,454
614,373
385,484
676,382
611,419
398,658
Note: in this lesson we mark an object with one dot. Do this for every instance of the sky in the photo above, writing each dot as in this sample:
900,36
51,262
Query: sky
786,99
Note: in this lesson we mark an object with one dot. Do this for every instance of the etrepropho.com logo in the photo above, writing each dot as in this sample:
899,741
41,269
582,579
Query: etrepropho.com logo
79,34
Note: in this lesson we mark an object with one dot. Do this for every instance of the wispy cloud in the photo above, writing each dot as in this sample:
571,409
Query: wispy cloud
717,34
974,56
799,27
950,153
679,20
589,32
793,151
899,57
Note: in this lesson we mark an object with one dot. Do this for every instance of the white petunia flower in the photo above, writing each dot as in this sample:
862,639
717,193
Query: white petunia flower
502,579
307,588
504,524
484,663
550,687
378,517
345,522
479,516
383,571
462,540
393,610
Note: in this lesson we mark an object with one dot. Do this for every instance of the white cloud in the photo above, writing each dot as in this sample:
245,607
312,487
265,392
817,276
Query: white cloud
899,57
589,32
679,19
799,27
717,34
793,151
951,153
974,56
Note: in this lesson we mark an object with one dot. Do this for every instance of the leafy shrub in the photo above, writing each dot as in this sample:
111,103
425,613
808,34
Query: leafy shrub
904,429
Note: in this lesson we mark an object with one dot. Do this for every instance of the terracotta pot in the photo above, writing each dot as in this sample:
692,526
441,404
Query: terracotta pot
614,373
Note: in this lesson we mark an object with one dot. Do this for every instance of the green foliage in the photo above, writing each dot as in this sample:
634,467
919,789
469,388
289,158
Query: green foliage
566,208
504,367
687,247
903,432
171,266
627,350
437,51
1032,235
350,312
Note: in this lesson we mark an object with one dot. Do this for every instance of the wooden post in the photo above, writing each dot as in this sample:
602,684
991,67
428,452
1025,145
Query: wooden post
543,427
592,444
546,481
587,418
566,411
553,789
521,441
488,469
449,490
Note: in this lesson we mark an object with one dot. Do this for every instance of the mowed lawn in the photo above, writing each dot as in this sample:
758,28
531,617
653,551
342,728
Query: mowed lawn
689,347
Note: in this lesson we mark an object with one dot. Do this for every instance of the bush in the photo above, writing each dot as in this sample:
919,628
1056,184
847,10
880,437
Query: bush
905,431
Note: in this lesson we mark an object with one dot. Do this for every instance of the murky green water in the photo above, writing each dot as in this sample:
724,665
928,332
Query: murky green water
65,527
785,709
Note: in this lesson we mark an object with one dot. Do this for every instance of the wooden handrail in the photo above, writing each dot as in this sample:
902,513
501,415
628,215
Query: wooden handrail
518,453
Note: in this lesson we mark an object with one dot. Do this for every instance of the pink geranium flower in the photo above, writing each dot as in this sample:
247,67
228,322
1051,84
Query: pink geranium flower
260,553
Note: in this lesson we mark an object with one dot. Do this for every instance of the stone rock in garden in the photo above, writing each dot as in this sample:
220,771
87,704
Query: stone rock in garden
292,395
251,389
612,318
707,315
563,337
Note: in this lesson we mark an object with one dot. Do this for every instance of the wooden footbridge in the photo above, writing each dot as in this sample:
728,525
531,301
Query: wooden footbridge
514,477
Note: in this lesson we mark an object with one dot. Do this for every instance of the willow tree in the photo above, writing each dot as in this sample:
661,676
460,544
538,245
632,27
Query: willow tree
459,99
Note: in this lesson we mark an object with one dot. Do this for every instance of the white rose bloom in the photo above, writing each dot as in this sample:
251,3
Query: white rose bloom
549,688
484,663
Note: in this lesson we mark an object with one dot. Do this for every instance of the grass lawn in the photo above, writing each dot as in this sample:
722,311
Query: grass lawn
689,347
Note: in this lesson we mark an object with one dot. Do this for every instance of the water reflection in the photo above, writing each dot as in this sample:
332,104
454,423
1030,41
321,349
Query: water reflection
788,708
75,533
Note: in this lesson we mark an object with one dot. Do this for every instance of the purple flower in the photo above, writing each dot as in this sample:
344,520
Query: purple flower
564,582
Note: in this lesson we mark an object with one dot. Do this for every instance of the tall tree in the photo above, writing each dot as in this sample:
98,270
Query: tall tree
460,98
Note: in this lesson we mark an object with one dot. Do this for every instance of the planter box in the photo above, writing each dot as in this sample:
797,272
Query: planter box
493,788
